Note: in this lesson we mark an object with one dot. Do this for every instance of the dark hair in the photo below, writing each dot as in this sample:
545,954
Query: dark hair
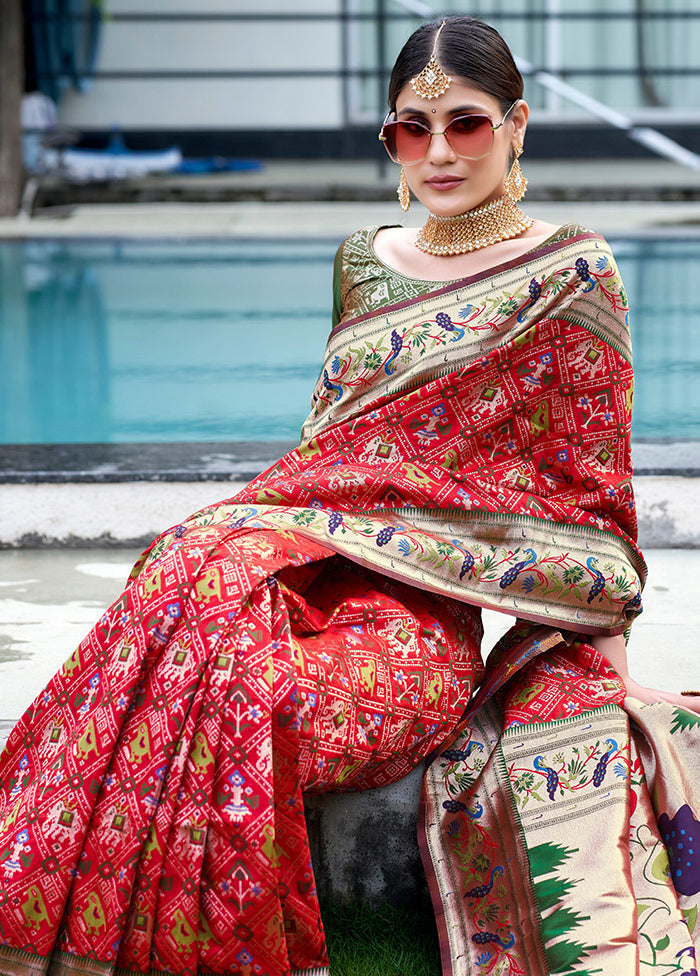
467,49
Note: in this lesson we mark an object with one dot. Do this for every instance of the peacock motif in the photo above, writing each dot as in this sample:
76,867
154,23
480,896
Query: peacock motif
633,605
480,891
467,565
396,347
552,776
456,806
598,584
599,771
459,755
484,938
443,320
510,575
534,292
332,386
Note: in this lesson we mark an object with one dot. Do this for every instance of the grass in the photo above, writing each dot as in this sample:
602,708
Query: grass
383,941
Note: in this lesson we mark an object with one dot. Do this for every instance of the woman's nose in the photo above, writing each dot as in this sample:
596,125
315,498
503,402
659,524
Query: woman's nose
440,150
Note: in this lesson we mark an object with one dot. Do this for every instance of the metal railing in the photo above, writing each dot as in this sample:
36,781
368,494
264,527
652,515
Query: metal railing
48,71
379,18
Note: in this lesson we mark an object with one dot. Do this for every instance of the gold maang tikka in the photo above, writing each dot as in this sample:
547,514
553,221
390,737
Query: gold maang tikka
432,80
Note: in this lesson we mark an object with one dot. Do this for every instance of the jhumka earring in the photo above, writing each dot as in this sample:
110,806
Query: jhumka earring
516,183
404,194
432,80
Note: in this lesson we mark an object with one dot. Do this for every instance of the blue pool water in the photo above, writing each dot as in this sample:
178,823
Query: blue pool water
126,341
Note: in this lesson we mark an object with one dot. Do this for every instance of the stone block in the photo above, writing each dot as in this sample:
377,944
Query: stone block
364,845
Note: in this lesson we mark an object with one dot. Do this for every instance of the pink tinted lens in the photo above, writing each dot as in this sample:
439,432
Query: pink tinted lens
406,142
471,136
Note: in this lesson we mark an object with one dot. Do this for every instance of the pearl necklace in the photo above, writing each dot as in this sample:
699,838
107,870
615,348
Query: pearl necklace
500,220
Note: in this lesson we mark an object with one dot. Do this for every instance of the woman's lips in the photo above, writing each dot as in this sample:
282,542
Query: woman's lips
444,182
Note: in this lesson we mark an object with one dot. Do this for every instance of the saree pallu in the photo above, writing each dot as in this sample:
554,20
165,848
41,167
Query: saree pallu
559,829
467,448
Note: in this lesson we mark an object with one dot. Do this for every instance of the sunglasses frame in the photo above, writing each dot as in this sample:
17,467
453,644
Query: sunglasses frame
431,133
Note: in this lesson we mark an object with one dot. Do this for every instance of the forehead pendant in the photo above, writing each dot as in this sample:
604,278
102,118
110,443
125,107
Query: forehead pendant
432,81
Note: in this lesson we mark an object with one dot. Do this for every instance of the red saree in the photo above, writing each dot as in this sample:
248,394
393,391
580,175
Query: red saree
319,631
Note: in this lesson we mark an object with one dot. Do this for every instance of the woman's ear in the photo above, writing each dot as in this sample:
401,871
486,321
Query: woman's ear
519,118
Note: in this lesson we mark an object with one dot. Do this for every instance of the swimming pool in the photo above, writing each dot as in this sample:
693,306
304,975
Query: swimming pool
119,341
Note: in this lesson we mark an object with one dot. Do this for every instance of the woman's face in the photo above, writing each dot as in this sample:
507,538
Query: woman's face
443,182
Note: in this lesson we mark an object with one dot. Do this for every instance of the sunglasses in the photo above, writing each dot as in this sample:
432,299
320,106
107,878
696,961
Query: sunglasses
469,137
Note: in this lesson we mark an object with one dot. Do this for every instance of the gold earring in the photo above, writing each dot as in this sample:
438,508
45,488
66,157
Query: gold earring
403,192
516,183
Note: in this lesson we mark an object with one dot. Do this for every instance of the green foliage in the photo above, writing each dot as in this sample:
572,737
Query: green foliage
691,916
463,782
304,518
562,955
547,857
380,942
560,922
683,719
550,891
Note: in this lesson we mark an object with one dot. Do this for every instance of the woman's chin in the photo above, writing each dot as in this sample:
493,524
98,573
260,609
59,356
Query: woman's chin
442,207
450,204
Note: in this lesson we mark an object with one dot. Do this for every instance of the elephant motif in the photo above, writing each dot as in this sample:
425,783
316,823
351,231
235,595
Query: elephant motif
434,688
368,675
526,694
72,664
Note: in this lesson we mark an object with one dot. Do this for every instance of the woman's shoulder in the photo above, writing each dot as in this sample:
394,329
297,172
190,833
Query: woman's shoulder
580,234
588,245
572,230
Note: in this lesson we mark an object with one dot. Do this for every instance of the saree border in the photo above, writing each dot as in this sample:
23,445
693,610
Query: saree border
541,251
364,546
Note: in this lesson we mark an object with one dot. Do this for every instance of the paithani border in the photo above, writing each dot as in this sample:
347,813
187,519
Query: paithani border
444,882
538,738
515,832
439,542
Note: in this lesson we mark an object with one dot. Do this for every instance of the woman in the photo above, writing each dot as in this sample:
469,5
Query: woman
468,446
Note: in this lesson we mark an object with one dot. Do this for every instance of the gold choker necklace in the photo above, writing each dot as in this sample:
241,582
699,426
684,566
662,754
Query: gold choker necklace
500,220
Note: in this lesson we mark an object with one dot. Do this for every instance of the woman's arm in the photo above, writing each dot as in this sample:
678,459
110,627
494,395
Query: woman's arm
614,650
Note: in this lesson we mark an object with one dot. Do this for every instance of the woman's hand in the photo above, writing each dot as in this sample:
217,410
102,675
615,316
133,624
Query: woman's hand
615,651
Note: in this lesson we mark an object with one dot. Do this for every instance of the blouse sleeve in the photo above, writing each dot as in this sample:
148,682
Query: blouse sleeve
337,278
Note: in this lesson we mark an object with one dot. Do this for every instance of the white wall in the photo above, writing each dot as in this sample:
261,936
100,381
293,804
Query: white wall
212,46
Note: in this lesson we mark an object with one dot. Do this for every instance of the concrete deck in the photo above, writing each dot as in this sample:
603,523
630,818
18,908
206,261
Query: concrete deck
331,198
314,219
